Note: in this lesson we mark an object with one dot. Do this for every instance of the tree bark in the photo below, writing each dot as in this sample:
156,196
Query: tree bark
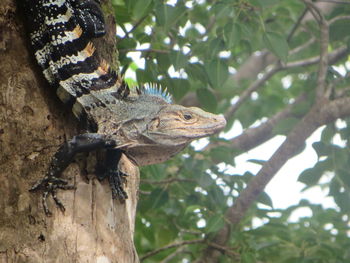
33,123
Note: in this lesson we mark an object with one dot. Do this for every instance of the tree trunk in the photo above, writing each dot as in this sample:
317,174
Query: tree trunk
33,123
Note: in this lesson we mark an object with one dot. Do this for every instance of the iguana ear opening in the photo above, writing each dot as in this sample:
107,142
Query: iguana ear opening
154,124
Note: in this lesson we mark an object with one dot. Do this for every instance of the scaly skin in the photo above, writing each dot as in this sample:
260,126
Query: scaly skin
142,124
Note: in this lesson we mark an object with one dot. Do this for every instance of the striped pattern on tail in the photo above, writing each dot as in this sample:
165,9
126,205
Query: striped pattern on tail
61,34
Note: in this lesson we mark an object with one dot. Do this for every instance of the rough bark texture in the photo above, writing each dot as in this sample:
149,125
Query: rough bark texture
33,123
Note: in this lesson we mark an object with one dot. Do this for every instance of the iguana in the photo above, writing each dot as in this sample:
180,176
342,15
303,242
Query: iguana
141,123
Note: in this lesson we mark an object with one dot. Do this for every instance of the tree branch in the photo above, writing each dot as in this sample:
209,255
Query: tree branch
252,137
323,112
331,57
253,87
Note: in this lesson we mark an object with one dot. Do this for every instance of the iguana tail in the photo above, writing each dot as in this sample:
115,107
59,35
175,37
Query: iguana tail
61,32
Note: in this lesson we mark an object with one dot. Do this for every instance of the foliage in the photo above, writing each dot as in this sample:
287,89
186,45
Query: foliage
203,48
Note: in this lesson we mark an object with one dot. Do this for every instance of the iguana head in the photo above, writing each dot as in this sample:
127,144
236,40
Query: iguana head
177,125
168,131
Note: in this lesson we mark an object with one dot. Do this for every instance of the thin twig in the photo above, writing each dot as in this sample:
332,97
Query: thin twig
124,50
173,245
343,92
302,46
144,192
335,2
178,251
253,87
324,40
182,230
167,181
226,250
335,19
139,22
296,25
333,57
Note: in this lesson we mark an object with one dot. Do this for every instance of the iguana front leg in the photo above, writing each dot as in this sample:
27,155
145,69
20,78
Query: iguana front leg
63,157
115,177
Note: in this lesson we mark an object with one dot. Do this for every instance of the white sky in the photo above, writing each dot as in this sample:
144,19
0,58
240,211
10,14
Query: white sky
284,189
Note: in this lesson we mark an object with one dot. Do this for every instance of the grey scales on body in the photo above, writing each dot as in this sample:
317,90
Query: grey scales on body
142,124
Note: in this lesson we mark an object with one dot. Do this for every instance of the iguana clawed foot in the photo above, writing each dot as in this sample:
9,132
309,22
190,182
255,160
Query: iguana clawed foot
50,185
116,180
115,177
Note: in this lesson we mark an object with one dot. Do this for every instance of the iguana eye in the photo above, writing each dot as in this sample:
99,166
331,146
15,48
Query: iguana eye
187,116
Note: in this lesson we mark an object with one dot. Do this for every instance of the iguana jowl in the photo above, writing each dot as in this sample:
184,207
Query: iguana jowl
144,124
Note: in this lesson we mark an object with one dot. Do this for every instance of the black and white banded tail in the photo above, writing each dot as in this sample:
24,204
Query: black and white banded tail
61,32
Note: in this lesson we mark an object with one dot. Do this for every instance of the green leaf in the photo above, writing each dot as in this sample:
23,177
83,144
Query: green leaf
190,209
207,99
118,2
328,133
342,199
277,44
321,149
166,15
310,176
196,71
248,257
215,46
232,34
340,157
178,59
126,43
284,126
158,198
344,176
265,199
222,153
164,61
178,87
205,180
217,72
123,15
140,8
214,223
267,3
256,161
222,9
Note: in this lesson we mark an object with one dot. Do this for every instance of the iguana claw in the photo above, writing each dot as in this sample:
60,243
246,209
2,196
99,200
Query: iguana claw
115,176
116,180
49,185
